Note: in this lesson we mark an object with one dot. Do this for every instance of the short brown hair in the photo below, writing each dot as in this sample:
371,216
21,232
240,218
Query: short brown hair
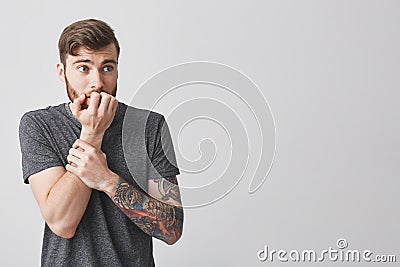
92,34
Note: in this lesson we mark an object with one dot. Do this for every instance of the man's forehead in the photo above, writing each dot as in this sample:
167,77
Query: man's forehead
108,52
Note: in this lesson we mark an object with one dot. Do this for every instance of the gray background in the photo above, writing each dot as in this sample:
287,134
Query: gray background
330,72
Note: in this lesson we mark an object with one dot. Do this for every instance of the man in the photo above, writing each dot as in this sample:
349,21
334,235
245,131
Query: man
105,184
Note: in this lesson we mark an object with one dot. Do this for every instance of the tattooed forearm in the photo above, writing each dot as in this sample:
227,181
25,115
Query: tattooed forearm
125,197
168,189
154,217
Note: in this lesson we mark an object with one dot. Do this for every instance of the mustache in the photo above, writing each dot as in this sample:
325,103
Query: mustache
73,93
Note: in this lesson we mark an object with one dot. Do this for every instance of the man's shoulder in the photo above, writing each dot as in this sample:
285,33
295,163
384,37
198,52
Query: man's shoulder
142,124
139,114
43,111
41,114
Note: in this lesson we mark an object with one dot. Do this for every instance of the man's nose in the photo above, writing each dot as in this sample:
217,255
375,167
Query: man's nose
96,81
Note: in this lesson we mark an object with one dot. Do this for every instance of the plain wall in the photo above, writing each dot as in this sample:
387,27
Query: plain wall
329,71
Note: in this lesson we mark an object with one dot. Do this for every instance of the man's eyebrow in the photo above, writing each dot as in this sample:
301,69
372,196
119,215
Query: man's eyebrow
110,61
91,62
82,61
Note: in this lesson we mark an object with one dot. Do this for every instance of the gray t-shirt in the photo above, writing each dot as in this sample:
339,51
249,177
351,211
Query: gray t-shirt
105,236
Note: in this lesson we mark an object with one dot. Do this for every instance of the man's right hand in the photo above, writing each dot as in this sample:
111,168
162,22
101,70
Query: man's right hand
96,118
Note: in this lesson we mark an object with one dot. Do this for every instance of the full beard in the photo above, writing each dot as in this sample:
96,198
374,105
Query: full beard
72,93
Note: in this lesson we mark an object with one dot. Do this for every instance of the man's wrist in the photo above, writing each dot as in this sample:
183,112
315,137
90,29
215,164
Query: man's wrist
111,184
95,139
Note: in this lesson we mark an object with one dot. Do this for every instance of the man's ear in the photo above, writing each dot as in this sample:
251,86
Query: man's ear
61,72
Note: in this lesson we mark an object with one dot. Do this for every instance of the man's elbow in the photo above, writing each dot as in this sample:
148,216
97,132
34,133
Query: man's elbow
177,232
60,225
64,231
172,241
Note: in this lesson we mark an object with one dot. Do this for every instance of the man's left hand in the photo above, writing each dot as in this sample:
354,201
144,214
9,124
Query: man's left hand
90,165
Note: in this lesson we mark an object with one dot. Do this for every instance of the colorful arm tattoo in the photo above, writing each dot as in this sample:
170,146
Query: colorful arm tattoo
154,217
168,188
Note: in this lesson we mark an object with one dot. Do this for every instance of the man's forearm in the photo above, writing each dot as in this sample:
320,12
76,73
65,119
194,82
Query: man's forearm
154,217
66,204
69,197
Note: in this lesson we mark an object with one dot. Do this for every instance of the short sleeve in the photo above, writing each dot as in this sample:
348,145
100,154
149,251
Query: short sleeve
162,154
37,152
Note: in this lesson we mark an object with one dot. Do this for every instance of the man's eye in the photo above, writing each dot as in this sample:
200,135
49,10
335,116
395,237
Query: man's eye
108,68
83,68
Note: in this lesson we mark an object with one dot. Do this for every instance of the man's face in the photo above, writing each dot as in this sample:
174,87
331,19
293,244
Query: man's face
90,71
